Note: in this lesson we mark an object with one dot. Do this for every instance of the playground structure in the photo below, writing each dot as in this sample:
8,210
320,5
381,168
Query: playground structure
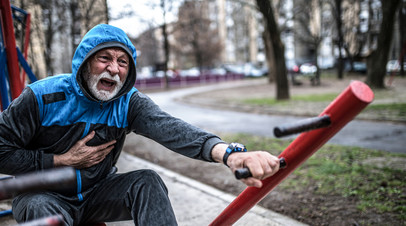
12,79
12,82
37,181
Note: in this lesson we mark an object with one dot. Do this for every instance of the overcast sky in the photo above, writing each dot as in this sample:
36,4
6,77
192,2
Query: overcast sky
146,14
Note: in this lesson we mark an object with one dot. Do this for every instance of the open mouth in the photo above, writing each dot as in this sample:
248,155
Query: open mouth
107,83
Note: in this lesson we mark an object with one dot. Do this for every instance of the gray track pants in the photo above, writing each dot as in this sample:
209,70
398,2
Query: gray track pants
139,195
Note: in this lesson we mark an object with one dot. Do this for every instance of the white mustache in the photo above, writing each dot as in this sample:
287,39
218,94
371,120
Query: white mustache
107,75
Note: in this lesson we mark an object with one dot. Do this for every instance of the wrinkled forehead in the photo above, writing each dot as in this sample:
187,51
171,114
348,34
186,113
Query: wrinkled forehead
113,51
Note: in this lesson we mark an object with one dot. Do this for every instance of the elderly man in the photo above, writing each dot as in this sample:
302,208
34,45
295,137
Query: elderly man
81,120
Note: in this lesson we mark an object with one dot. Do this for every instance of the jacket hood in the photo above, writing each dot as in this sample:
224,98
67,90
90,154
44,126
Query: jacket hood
100,37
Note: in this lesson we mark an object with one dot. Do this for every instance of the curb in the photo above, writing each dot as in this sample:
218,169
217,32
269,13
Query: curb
201,193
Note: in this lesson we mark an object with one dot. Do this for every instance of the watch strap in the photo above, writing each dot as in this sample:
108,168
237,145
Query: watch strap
233,147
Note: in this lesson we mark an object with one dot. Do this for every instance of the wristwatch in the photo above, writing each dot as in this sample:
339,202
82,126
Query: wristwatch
233,147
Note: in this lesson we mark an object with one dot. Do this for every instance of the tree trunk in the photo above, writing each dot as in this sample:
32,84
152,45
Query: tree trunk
340,63
269,56
316,79
166,45
49,37
376,62
75,28
282,85
402,39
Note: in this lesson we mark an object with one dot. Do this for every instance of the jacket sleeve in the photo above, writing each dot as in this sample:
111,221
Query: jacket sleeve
147,119
18,125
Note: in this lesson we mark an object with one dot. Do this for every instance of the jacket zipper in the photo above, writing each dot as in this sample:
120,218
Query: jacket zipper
78,174
79,185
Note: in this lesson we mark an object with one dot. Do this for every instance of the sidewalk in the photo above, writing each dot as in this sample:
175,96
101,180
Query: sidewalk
194,203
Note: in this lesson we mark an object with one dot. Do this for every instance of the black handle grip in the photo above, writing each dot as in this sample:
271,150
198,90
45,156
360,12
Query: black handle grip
245,172
302,126
47,179
242,173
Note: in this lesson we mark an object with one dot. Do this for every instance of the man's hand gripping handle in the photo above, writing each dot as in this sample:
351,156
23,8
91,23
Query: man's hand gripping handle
245,172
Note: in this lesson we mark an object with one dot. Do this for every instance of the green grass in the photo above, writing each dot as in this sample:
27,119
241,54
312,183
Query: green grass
398,109
380,110
342,171
327,97
316,97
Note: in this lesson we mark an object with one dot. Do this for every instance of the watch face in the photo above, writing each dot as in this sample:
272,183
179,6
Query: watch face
239,147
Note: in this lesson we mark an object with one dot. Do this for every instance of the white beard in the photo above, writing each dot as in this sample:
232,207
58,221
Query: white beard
103,95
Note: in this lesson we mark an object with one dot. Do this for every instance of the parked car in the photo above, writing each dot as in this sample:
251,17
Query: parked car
358,66
233,68
393,66
169,73
144,72
194,72
250,70
308,68
292,66
217,71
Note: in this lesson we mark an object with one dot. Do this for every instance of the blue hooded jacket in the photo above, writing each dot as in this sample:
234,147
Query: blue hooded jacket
51,115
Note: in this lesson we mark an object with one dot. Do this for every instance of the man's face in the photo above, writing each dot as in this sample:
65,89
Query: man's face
107,72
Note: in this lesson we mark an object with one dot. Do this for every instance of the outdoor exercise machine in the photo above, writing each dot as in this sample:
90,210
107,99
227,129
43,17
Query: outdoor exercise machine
37,181
12,80
341,111
31,182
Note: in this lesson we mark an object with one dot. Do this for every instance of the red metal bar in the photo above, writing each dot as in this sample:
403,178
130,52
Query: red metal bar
11,51
341,111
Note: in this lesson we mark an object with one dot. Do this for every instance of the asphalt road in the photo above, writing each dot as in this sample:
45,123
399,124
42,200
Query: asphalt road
368,134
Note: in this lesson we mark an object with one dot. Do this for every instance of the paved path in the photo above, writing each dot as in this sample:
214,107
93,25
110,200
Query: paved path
197,204
194,203
368,134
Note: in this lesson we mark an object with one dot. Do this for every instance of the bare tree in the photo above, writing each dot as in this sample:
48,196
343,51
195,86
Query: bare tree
85,15
308,15
58,29
75,16
197,39
37,43
269,55
376,62
93,13
53,22
237,32
336,9
165,44
350,37
147,46
282,85
402,38
354,38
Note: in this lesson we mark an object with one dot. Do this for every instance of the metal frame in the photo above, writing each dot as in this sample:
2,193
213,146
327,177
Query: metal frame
12,80
341,111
